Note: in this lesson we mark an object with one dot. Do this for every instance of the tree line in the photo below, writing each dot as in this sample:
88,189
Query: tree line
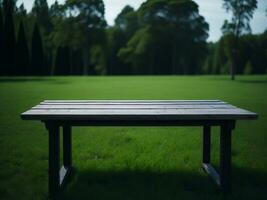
251,57
160,37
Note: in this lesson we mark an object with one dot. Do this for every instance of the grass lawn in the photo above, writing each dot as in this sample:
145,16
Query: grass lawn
128,162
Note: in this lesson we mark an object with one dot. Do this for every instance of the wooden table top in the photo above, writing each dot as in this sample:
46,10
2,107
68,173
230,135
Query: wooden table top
138,110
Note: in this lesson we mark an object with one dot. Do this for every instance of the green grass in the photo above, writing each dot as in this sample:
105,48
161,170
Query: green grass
130,162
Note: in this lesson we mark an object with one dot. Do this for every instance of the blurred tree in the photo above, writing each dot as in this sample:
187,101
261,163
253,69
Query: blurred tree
37,54
79,24
62,63
1,41
22,62
89,15
172,26
255,48
220,58
9,38
251,56
126,24
248,68
127,21
98,60
21,10
208,64
41,11
54,10
8,5
161,37
242,12
76,61
139,52
20,13
116,40
120,19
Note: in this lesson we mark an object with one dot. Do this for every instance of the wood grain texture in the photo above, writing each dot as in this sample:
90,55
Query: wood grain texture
142,106
136,110
127,101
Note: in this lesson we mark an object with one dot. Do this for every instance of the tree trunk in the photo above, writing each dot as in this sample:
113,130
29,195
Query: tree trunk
234,56
71,61
233,65
85,61
151,64
174,59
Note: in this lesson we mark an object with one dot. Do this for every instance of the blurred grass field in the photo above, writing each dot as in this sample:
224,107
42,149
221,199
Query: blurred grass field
131,162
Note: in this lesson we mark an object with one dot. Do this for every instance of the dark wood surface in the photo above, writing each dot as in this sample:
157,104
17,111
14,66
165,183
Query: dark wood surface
140,110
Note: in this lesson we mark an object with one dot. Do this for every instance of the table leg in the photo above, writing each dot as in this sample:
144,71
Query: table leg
54,142
67,146
206,144
208,168
225,157
66,169
223,179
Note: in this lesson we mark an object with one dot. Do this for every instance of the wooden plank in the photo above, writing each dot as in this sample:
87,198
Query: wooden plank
171,103
141,111
148,106
121,102
134,102
167,114
130,101
137,110
126,101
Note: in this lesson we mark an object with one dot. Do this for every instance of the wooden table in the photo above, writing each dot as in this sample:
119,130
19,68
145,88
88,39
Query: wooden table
205,113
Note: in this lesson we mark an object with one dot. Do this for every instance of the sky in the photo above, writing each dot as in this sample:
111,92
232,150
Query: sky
211,9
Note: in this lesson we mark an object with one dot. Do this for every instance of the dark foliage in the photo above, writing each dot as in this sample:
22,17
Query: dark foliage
8,5
77,62
9,40
62,62
37,55
117,39
251,57
160,37
173,27
1,42
22,61
41,11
